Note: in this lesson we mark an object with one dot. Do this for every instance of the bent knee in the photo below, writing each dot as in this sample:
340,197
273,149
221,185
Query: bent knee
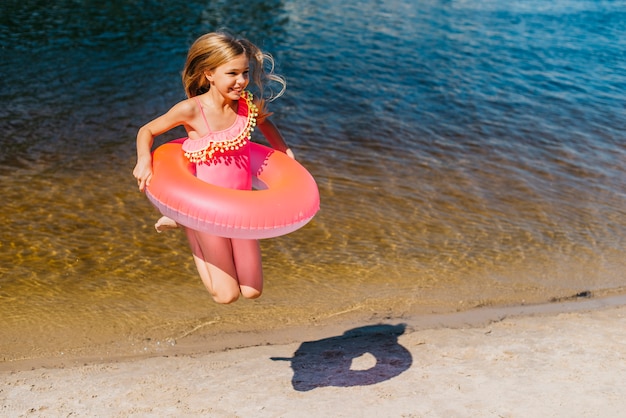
225,298
250,292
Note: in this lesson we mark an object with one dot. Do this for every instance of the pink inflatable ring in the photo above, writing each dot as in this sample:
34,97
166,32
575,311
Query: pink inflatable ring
285,196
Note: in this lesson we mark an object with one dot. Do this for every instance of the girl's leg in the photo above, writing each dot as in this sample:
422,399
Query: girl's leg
214,261
227,267
247,257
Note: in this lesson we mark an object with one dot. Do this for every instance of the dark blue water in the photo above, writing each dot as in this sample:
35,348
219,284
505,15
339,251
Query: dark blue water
467,154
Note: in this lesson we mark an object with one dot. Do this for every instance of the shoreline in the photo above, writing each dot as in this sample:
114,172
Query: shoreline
562,359
206,344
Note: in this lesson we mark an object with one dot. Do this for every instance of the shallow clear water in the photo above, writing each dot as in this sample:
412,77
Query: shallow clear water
467,153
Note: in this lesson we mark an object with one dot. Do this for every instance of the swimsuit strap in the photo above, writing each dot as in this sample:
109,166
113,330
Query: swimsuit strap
202,112
203,149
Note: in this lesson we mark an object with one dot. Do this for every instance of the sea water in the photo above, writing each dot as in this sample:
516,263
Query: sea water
467,154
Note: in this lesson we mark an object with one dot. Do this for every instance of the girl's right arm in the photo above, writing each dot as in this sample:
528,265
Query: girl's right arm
180,114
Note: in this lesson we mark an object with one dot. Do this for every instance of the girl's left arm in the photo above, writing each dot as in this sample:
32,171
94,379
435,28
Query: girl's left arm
274,137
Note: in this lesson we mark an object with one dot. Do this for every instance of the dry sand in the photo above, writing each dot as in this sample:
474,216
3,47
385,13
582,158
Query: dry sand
559,360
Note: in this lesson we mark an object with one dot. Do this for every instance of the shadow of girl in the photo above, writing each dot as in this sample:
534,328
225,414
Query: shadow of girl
333,361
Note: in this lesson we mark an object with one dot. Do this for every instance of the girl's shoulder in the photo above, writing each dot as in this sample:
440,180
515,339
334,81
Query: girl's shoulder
185,109
187,105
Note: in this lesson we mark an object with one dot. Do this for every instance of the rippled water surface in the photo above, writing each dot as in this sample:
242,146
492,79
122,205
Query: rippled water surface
467,153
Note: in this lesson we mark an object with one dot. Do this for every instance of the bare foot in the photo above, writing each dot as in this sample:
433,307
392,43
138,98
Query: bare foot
165,223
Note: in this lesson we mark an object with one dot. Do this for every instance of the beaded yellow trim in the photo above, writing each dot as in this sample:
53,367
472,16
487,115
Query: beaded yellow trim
242,139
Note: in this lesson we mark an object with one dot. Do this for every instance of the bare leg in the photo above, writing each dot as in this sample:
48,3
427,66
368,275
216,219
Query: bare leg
247,256
227,267
164,223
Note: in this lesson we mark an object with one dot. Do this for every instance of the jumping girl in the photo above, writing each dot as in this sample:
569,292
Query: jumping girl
218,116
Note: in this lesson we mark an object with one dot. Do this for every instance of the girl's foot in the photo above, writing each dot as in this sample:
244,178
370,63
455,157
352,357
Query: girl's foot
165,223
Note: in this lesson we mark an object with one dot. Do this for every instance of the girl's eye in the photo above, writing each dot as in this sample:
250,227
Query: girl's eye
236,73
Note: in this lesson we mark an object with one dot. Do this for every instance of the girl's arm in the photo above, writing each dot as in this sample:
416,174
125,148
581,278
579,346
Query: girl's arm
273,136
179,114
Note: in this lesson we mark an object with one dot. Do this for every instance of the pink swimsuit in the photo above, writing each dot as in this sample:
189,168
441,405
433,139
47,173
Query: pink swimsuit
223,157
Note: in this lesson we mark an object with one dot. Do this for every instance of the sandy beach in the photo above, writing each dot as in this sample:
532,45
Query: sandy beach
557,360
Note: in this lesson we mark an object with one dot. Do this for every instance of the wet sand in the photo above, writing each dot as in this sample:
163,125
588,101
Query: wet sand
559,360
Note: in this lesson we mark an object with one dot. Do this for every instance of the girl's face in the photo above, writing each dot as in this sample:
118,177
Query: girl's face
231,79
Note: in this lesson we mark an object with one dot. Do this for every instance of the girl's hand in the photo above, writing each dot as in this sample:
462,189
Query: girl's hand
143,172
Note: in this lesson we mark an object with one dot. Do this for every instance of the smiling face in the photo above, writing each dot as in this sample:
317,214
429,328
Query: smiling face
230,79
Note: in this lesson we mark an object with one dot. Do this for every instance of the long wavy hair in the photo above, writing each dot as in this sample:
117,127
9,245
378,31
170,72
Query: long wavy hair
216,48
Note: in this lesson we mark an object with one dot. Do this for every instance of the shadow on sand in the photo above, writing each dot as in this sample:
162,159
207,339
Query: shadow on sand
361,356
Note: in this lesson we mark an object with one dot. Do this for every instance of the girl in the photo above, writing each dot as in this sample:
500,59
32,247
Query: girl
217,114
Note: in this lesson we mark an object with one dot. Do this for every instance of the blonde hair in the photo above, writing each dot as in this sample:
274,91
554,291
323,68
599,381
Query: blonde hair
216,48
